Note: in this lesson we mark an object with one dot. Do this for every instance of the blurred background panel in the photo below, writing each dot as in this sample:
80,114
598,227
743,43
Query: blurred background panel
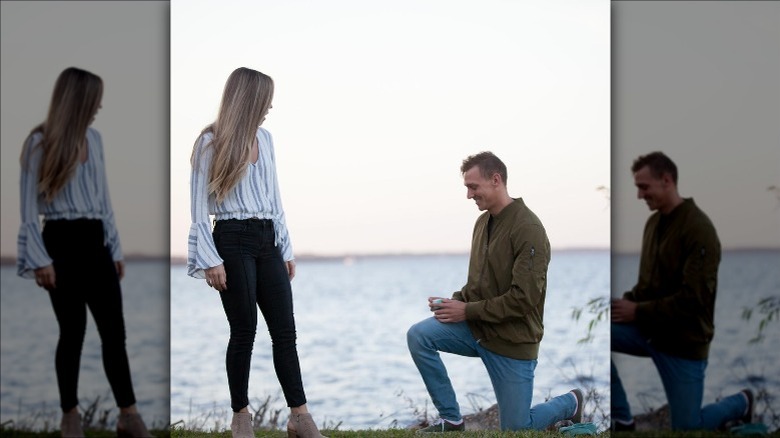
126,44
700,81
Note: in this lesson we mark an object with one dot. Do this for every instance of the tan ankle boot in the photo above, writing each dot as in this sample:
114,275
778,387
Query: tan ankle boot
241,426
131,426
302,426
70,426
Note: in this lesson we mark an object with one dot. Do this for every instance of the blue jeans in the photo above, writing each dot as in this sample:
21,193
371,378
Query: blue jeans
683,381
512,379
257,277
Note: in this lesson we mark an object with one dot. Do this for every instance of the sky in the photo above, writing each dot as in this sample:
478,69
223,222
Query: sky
699,81
377,103
125,43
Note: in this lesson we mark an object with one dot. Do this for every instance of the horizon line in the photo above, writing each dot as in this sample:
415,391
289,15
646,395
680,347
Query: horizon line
181,259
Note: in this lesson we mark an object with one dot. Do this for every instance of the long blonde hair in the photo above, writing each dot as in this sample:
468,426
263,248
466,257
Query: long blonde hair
245,101
74,102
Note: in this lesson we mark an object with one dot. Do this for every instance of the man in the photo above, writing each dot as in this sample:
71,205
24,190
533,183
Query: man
497,316
668,315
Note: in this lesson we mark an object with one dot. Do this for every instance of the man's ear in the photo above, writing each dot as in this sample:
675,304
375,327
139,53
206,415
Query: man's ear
496,179
667,180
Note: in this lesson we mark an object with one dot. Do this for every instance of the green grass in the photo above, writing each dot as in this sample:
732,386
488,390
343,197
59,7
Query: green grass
387,433
668,433
13,433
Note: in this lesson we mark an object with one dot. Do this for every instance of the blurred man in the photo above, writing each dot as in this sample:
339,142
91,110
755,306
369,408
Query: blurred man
668,316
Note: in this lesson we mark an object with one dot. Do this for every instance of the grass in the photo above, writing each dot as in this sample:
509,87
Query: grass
388,433
4,432
98,419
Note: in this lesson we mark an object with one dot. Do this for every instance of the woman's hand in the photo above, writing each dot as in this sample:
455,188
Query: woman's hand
120,269
45,277
216,278
290,269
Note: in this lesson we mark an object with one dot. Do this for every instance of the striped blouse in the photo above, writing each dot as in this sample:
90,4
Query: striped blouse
255,195
85,195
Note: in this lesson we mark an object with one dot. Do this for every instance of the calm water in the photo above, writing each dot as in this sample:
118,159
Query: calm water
28,384
743,279
352,320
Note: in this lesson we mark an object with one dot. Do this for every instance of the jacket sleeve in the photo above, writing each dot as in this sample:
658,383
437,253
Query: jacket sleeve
696,290
458,295
31,251
201,250
531,251
282,230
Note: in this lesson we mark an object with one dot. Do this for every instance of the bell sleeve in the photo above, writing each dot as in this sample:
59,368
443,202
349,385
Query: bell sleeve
110,233
201,251
31,251
282,238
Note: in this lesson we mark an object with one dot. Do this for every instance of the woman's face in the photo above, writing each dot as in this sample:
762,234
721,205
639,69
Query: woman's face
100,105
266,113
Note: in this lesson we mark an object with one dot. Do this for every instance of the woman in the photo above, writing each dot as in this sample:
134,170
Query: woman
249,258
77,258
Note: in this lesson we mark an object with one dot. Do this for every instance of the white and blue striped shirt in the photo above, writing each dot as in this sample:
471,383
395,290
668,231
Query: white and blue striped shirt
85,195
255,195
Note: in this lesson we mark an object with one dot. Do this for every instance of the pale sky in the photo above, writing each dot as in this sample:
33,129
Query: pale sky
126,44
700,81
377,104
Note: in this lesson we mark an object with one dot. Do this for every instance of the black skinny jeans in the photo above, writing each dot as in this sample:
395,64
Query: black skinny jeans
86,277
257,277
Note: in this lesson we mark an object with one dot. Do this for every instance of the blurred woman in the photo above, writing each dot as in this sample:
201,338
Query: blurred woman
248,258
77,256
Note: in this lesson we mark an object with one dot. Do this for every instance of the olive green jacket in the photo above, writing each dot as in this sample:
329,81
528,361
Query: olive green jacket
507,282
678,279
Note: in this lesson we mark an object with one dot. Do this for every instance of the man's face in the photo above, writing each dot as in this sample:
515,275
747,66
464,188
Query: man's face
482,191
655,191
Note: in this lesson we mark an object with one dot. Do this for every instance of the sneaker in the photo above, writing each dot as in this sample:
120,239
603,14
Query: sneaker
442,425
619,426
577,417
748,417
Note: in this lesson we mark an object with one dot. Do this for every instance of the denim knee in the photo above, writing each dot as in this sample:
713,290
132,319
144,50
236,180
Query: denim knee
242,337
414,337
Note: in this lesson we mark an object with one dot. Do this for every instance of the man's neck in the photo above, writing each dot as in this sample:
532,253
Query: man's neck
676,201
502,204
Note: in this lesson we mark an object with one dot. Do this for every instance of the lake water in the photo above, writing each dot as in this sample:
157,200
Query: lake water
28,384
352,320
744,277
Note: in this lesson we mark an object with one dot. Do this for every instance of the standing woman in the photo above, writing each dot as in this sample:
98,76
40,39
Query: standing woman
77,258
249,258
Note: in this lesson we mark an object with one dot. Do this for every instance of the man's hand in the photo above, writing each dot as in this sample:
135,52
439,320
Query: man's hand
448,310
623,310
216,278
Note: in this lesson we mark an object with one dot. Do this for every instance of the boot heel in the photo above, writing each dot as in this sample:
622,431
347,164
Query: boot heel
302,426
